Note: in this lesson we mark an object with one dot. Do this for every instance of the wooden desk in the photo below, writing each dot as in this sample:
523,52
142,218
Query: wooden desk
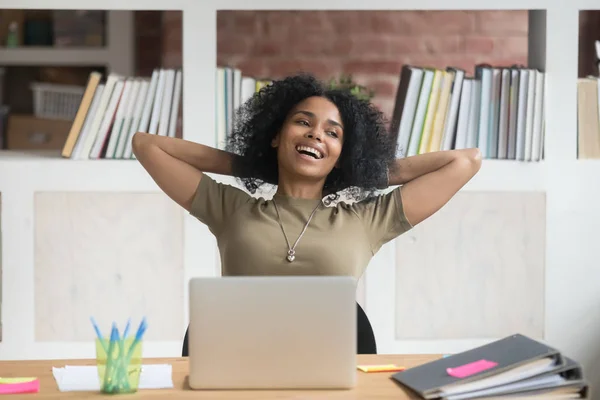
369,386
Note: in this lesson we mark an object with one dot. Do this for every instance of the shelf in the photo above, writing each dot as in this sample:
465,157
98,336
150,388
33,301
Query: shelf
47,171
385,5
508,175
494,176
583,173
28,56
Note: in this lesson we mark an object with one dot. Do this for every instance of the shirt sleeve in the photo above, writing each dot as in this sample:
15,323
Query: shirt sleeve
383,218
214,203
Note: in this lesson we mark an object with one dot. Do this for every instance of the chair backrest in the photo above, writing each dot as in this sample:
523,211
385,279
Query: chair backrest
365,338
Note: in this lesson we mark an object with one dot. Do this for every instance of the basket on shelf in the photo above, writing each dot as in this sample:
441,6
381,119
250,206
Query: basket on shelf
56,101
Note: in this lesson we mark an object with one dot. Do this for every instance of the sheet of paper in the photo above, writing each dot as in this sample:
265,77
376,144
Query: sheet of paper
85,378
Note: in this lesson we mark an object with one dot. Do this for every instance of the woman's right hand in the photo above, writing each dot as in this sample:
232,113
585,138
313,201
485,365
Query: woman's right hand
176,165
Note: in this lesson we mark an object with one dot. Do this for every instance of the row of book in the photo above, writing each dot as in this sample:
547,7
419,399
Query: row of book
499,110
588,117
232,90
112,110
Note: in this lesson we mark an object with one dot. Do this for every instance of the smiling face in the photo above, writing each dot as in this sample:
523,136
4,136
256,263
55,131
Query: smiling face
310,141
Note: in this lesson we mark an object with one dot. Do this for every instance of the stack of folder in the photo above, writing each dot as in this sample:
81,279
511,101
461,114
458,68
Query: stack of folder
516,367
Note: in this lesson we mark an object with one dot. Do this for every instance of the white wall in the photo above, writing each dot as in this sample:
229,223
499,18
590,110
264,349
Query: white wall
545,220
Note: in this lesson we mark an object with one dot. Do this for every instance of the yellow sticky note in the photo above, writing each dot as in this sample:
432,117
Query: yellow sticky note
16,380
381,368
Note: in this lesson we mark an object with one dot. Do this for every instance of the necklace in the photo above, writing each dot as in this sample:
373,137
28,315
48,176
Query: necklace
291,254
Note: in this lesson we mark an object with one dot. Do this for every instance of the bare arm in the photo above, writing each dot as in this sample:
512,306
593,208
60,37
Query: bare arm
176,165
430,180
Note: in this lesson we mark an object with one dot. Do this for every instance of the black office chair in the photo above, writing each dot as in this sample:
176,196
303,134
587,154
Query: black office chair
365,339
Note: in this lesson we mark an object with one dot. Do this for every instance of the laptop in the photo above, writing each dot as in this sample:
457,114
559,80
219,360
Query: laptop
292,332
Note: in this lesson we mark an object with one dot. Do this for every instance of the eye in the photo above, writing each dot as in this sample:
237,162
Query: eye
333,134
303,122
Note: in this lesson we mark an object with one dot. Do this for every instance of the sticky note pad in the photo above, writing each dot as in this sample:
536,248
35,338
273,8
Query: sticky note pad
467,370
19,385
381,368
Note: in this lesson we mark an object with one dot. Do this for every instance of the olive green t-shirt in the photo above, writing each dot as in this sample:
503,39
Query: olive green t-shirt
340,239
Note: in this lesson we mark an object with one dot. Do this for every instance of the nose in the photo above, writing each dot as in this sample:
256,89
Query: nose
316,135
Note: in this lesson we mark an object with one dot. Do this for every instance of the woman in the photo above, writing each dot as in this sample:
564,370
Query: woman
315,145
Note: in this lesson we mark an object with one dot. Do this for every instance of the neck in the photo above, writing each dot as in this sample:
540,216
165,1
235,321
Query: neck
308,190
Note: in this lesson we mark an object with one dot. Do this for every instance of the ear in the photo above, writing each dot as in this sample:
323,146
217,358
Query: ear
338,163
275,141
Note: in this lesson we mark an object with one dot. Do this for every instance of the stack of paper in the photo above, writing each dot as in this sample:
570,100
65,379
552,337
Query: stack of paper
516,366
85,378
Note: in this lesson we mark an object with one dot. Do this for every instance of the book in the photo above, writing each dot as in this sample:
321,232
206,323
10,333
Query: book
233,89
115,107
513,366
499,109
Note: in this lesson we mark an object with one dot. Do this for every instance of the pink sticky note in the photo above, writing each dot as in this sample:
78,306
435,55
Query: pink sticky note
470,369
24,386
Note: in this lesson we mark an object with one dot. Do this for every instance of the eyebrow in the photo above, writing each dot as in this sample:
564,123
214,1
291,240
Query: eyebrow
312,115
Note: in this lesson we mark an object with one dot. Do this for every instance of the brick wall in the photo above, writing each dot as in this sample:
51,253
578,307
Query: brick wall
172,39
372,46
589,32
147,53
157,47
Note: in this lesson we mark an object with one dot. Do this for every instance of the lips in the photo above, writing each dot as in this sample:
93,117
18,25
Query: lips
310,151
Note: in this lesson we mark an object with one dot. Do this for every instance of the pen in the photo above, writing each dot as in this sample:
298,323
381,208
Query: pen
98,333
95,325
109,365
126,331
123,378
138,337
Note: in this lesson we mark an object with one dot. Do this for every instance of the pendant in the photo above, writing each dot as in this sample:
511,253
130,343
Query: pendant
291,255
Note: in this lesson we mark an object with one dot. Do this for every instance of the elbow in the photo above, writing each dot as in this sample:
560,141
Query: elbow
138,143
473,157
470,161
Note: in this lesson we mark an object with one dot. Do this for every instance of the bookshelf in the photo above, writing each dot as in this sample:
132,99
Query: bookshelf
561,185
119,41
37,56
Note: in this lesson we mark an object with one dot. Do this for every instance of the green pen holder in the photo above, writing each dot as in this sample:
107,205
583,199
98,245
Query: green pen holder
120,367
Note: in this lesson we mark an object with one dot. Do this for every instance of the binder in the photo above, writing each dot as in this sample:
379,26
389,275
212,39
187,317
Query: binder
513,366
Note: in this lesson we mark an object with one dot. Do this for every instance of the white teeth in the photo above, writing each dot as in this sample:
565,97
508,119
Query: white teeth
316,152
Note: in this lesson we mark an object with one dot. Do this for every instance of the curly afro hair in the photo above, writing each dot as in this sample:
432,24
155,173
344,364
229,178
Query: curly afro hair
367,152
